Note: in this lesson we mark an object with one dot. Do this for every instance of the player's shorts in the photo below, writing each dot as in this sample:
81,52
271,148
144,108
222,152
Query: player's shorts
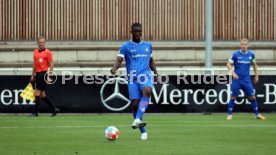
40,82
245,85
135,87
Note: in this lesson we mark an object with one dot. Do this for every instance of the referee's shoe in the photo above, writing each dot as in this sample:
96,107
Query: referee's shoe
56,110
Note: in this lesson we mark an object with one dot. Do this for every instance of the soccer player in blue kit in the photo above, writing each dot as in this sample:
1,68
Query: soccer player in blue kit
139,65
242,60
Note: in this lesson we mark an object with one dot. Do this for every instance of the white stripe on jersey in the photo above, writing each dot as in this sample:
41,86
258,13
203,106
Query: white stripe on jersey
231,60
121,55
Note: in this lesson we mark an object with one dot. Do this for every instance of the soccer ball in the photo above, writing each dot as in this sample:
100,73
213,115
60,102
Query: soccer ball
111,133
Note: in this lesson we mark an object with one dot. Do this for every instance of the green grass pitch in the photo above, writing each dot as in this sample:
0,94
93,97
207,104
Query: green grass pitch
168,134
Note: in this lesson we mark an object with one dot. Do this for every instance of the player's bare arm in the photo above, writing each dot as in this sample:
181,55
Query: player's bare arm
153,68
255,68
51,66
33,73
50,75
231,70
117,65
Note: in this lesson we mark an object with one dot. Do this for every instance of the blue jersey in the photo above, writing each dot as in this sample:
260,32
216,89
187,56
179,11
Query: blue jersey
137,57
242,62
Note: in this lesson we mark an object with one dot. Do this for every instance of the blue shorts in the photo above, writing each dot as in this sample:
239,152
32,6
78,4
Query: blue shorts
135,87
245,85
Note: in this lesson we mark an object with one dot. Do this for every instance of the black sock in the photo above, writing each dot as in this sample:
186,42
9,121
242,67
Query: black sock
49,102
37,103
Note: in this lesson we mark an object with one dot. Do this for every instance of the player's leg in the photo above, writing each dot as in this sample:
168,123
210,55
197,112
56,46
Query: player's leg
48,101
145,85
255,108
44,97
38,85
235,88
135,95
143,105
135,104
144,102
249,92
37,103
231,107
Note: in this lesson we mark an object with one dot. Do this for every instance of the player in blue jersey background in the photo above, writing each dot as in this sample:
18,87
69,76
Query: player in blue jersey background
139,65
242,60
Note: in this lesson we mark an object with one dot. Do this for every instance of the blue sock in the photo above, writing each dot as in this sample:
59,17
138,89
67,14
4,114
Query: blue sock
254,105
142,129
144,102
231,106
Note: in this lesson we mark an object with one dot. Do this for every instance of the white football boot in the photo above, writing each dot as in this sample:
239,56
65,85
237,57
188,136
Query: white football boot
137,123
144,136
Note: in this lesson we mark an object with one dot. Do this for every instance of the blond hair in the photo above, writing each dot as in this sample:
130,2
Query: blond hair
41,37
244,39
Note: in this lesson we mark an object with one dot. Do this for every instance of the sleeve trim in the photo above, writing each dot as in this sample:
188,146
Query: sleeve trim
121,55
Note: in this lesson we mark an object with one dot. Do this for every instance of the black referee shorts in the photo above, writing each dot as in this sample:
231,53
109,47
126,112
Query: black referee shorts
40,80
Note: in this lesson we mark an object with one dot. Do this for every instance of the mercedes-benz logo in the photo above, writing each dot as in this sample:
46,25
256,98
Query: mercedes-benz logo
115,95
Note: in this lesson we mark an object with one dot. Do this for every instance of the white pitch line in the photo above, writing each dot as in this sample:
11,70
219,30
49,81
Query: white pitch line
216,125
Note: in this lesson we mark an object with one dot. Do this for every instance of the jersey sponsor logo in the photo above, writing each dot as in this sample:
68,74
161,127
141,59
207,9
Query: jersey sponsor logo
138,55
40,60
147,49
115,95
244,62
132,50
